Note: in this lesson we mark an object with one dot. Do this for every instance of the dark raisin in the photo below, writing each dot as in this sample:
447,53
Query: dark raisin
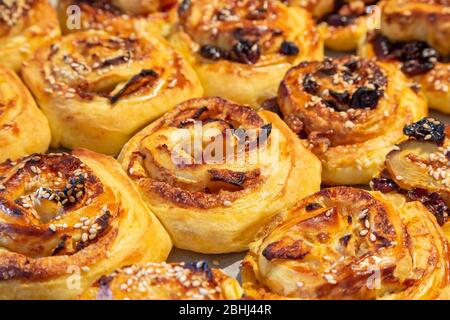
336,20
352,65
309,84
382,47
313,206
289,48
413,50
416,67
433,201
341,97
427,129
328,67
184,6
384,185
365,98
344,240
211,52
245,52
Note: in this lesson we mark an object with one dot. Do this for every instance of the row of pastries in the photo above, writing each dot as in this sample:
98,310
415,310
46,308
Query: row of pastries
100,102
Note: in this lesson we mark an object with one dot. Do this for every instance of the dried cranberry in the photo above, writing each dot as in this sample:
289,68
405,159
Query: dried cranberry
309,84
433,201
289,48
245,52
384,185
211,52
365,98
427,129
416,67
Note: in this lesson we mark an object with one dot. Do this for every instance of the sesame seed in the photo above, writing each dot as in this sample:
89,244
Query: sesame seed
84,237
52,227
227,203
363,232
373,237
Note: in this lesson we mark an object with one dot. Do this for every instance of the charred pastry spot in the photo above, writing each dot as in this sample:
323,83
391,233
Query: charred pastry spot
199,112
227,123
61,245
111,62
349,219
345,239
427,129
384,185
313,206
286,249
309,84
103,220
264,133
365,98
234,178
289,48
144,78
272,105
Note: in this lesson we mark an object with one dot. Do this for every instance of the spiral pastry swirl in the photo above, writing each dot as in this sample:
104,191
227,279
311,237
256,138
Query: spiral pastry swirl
351,110
418,169
241,49
97,89
214,172
344,23
117,16
22,29
347,243
23,127
415,33
61,214
164,281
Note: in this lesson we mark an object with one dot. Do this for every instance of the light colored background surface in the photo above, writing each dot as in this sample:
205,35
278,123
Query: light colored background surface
231,262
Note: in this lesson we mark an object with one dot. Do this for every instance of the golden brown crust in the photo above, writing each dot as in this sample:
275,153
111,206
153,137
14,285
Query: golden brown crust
23,127
98,89
64,213
424,20
22,29
343,23
118,16
236,46
346,243
213,201
163,281
351,110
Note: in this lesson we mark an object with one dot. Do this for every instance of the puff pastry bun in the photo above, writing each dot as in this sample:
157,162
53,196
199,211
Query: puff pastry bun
416,34
241,49
164,281
213,188
418,168
23,127
344,23
65,220
352,111
346,243
117,16
22,29
98,89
